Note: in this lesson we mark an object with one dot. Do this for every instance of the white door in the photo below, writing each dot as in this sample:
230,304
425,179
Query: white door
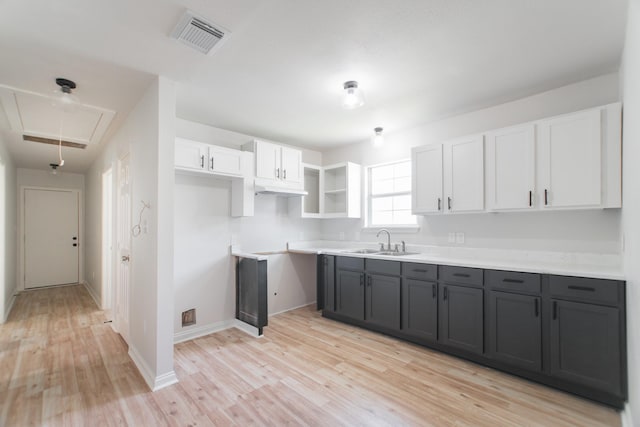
511,168
107,240
427,179
190,154
464,174
291,165
124,248
51,237
225,161
570,160
268,160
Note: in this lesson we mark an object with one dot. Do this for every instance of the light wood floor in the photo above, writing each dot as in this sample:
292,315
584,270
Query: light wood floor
61,365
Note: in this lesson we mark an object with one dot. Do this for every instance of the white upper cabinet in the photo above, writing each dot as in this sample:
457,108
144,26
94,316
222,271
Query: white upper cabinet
571,160
191,155
426,193
510,168
197,156
278,164
463,167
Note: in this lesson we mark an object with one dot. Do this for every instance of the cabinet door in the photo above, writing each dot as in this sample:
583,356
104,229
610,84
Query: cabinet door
461,317
420,308
570,160
585,345
383,301
464,174
426,171
511,168
328,281
191,155
225,161
268,160
515,330
350,294
291,165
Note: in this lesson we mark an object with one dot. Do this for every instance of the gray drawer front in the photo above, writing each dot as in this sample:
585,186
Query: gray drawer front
463,275
513,281
583,289
391,268
419,271
350,263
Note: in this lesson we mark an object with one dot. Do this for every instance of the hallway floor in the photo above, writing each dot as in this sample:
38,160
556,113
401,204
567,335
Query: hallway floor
60,364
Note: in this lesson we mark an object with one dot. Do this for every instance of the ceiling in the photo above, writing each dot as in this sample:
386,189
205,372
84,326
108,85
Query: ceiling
280,74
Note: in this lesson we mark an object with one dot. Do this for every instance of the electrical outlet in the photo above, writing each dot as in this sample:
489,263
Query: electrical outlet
452,237
459,237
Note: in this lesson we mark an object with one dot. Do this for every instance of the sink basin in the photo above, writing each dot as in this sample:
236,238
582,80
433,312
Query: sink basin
393,253
363,251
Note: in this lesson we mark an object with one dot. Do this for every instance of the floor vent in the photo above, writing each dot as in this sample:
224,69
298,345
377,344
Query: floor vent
196,32
189,317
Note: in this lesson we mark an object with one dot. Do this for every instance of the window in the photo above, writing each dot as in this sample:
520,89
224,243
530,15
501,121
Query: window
389,197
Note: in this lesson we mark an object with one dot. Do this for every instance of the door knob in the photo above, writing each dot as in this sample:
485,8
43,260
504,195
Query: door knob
125,258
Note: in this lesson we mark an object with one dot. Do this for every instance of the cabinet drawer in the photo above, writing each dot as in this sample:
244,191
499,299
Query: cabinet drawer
583,289
513,281
463,275
391,268
419,271
350,263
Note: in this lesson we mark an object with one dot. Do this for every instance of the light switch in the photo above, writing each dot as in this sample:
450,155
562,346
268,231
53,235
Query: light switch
459,237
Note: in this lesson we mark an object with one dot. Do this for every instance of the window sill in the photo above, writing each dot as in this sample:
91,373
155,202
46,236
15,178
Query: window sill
393,228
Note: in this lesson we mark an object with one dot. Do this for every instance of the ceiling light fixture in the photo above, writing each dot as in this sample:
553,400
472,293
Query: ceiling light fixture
378,138
63,98
54,168
353,96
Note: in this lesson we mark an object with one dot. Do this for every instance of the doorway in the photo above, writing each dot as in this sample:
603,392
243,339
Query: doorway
123,224
107,240
51,237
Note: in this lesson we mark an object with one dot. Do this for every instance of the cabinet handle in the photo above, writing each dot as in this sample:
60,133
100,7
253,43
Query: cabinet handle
369,281
202,161
284,174
445,294
582,288
460,275
420,271
434,291
555,310
512,281
439,203
530,198
449,202
277,172
546,197
536,307
212,163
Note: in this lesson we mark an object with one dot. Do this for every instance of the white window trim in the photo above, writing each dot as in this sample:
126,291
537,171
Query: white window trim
368,227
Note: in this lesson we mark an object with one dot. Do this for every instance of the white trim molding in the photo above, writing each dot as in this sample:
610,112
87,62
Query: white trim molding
247,328
8,306
95,297
201,331
154,383
625,416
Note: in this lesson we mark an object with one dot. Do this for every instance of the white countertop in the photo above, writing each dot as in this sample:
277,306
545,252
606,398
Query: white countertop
599,266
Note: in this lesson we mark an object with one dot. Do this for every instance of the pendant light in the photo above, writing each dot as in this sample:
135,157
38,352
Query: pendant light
353,96
378,138
66,102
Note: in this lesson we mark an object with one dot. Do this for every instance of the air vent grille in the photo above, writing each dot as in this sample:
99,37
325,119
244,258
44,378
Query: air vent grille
196,32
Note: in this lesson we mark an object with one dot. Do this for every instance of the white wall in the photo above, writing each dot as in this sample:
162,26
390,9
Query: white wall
8,226
575,231
204,230
631,203
44,178
148,136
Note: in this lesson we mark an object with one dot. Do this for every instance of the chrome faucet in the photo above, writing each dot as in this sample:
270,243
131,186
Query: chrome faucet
384,230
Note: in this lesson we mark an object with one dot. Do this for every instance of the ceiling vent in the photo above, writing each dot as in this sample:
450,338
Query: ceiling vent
196,32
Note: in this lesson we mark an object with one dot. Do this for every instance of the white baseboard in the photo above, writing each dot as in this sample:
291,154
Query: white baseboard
245,327
8,306
293,308
96,298
201,331
627,420
154,383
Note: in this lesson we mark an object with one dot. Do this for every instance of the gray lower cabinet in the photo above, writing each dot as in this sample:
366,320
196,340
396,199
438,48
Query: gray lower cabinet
461,317
585,345
420,309
327,282
350,293
383,301
515,329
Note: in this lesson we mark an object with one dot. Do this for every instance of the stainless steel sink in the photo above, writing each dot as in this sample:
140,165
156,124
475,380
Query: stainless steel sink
363,251
393,253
